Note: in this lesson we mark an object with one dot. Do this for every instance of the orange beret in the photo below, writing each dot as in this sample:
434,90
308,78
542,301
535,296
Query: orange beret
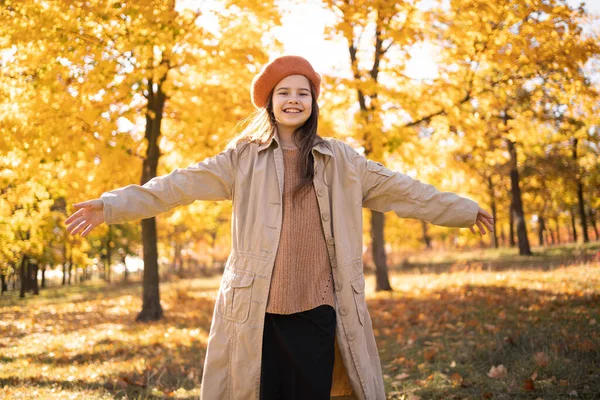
273,72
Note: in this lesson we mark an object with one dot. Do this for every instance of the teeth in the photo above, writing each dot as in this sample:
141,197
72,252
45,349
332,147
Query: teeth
292,111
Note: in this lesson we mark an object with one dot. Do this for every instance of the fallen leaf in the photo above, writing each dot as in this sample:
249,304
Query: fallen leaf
429,353
541,359
563,382
528,385
498,372
489,327
401,376
456,379
534,376
487,395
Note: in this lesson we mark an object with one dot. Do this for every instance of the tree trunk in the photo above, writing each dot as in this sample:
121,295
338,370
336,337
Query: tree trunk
378,251
557,230
70,270
2,284
43,284
125,271
511,226
592,217
494,211
368,111
573,225
151,308
108,254
33,268
517,201
541,229
551,235
426,238
580,200
23,275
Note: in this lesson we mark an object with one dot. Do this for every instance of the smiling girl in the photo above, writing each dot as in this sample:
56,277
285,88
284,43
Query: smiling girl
290,320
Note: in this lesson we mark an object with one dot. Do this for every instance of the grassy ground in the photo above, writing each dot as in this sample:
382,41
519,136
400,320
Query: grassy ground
439,335
502,258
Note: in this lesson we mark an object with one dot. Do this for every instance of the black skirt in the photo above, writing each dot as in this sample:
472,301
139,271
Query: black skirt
298,354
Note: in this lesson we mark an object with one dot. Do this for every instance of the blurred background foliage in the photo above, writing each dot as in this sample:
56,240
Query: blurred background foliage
91,92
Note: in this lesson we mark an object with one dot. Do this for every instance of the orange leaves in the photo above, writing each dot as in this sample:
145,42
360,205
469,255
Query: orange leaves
456,379
528,385
429,353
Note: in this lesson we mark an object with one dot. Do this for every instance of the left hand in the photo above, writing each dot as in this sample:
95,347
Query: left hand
483,219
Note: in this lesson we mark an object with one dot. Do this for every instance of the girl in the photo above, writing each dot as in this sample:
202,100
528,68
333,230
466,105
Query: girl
290,312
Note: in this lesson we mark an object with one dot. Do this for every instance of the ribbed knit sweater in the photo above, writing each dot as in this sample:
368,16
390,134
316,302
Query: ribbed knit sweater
301,277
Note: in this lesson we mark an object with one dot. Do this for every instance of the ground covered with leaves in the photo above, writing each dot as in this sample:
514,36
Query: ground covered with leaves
462,334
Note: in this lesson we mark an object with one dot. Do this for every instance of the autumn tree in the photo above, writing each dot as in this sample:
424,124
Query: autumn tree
146,63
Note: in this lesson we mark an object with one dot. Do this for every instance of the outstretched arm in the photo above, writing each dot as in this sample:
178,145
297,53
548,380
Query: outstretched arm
386,190
210,179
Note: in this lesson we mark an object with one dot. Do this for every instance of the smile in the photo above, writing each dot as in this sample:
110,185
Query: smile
292,111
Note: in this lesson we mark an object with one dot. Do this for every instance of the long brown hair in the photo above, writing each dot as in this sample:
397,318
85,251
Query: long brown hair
260,127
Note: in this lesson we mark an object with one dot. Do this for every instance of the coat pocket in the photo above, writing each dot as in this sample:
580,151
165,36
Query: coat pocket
379,168
235,296
358,290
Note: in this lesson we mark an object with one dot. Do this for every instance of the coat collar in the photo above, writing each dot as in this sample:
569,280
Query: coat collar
322,147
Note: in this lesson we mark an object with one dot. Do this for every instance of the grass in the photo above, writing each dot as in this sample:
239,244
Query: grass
438,334
503,258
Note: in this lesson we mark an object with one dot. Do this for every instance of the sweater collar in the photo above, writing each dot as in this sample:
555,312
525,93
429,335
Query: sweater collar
322,147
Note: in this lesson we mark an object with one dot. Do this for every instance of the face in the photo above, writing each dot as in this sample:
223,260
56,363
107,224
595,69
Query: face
292,102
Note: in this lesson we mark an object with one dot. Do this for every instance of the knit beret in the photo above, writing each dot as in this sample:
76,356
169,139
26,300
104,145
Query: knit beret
273,72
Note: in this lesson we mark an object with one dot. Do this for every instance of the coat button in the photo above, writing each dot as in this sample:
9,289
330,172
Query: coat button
330,241
338,286
344,310
320,192
351,335
325,216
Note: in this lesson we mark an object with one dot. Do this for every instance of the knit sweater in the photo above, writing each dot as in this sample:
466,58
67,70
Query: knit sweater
302,276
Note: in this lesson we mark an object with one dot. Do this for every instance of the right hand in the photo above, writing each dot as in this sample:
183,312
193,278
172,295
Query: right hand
89,215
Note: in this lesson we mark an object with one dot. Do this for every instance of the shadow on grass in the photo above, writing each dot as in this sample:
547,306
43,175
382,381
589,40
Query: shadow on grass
117,391
170,365
448,342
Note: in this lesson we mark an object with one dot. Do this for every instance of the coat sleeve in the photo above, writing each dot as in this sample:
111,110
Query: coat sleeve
210,179
386,190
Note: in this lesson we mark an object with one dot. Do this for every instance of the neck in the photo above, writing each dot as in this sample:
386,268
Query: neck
285,136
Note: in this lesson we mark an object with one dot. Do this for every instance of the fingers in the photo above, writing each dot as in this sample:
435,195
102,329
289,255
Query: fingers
82,219
481,228
74,224
73,216
485,213
489,224
87,230
95,203
80,227
472,230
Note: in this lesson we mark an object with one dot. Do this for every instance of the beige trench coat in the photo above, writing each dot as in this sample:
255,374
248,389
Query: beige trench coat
345,182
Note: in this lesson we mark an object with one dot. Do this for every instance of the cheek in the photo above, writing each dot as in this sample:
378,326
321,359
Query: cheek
308,106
